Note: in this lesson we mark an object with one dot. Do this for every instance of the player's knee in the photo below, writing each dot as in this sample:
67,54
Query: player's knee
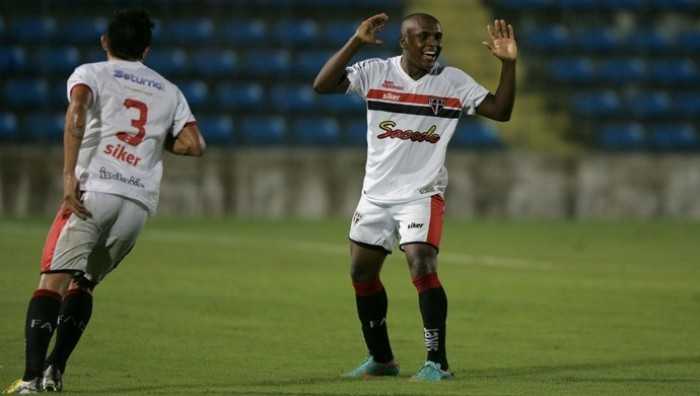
361,273
421,263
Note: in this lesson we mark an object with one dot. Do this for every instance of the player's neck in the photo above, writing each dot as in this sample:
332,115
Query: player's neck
414,72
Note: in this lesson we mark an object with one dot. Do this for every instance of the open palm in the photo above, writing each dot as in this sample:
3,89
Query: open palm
368,29
502,40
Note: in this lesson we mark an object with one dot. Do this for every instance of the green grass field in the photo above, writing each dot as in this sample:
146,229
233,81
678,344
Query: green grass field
266,308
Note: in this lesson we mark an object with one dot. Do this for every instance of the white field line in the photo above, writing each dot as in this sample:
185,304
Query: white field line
305,246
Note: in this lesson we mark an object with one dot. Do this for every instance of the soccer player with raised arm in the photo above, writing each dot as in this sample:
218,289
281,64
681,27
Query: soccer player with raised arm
121,117
413,106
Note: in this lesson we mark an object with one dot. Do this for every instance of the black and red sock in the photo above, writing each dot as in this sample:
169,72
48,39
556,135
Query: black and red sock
74,317
433,308
42,315
372,306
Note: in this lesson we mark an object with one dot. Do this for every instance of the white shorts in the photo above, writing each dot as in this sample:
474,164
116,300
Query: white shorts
417,221
95,246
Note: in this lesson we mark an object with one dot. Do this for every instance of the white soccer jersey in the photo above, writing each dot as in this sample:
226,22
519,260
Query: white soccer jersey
409,123
132,110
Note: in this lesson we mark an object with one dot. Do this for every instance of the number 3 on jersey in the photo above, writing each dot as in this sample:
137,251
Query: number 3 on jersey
137,123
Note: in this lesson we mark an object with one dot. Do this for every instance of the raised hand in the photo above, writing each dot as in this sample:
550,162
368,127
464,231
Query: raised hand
502,44
368,29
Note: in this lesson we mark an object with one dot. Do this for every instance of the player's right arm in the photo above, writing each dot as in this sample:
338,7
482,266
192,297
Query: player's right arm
332,78
188,142
73,133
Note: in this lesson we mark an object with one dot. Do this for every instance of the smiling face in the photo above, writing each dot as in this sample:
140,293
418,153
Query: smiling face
421,41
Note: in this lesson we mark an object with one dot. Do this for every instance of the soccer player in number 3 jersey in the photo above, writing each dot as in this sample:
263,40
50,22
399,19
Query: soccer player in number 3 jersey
121,117
413,105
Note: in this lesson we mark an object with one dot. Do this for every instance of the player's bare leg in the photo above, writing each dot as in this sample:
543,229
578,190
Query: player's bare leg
422,263
371,299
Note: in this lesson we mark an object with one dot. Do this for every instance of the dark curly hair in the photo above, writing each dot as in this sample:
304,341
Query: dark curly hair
129,33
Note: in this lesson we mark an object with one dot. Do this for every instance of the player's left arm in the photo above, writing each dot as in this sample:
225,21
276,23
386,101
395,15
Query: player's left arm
188,142
73,132
502,45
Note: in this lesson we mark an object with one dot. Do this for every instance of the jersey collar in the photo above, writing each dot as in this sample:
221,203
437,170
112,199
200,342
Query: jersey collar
409,79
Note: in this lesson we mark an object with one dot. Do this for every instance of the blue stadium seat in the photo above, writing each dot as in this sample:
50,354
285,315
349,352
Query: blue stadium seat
316,131
296,32
263,130
687,104
60,60
26,93
572,70
234,96
188,31
58,93
678,72
217,130
8,126
635,5
674,137
689,41
596,104
33,30
476,135
12,59
549,38
341,103
622,137
168,62
96,55
243,32
649,104
356,132
525,4
651,41
597,39
214,63
293,98
336,33
196,92
677,5
82,30
44,127
308,64
622,71
579,4
266,63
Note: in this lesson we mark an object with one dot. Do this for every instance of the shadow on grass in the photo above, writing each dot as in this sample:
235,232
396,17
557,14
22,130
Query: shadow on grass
553,369
462,375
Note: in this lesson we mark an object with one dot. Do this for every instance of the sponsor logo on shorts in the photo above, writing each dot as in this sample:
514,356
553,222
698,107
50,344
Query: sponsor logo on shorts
356,217
388,126
415,225
117,176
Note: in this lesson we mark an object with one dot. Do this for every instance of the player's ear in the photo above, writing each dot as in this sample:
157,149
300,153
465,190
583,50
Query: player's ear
104,42
145,53
402,41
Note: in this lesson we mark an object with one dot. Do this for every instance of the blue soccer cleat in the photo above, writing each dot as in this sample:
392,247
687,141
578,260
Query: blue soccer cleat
370,368
432,372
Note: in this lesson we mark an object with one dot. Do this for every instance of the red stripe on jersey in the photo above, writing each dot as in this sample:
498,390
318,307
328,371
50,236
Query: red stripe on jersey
402,97
54,232
437,210
80,85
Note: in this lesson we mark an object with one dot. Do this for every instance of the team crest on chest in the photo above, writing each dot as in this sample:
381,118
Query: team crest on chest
436,104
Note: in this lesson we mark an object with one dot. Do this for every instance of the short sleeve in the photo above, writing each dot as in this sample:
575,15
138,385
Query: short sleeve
470,92
183,114
360,75
82,75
